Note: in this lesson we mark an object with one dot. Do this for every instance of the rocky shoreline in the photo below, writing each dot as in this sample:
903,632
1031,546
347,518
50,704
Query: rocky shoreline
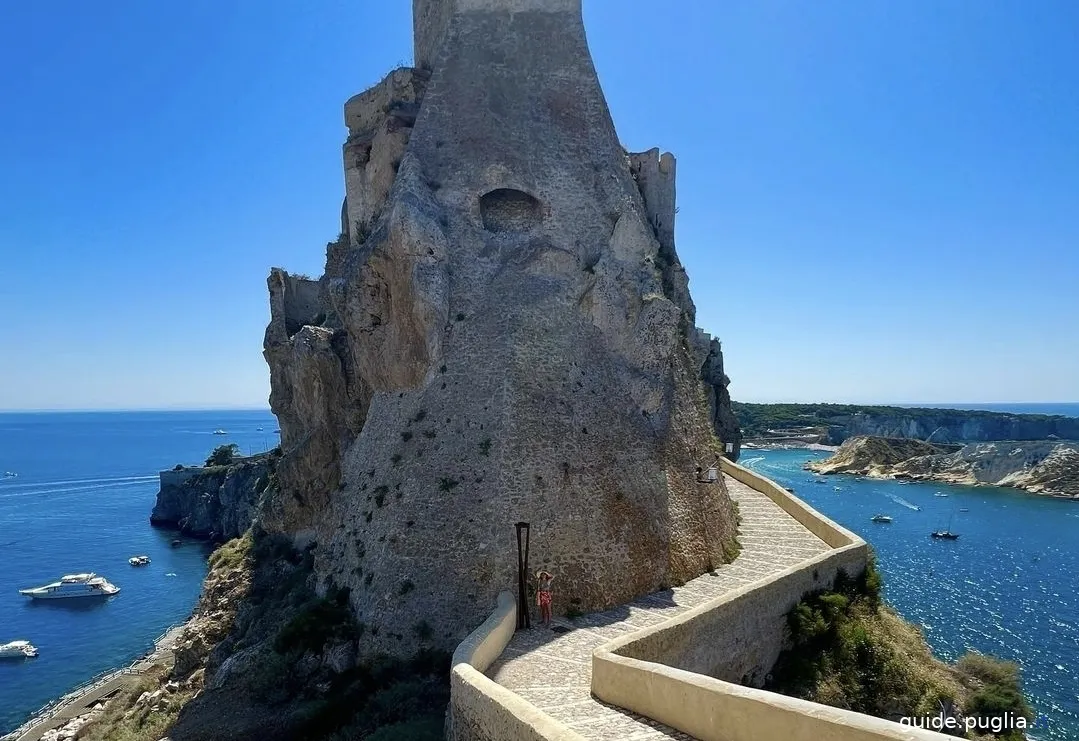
1046,468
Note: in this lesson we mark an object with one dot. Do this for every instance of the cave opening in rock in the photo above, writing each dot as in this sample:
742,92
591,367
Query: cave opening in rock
508,210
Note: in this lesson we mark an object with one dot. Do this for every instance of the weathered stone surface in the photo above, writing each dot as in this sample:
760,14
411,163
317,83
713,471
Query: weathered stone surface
217,503
504,333
1040,467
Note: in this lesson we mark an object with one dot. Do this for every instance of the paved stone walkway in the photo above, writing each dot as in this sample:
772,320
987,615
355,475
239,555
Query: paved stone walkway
553,670
82,700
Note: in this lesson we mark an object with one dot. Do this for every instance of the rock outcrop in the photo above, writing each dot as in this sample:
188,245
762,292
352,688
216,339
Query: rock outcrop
835,423
216,503
1039,467
503,333
873,456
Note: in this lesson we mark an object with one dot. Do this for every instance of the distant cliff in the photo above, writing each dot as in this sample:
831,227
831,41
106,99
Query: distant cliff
217,503
1039,467
834,423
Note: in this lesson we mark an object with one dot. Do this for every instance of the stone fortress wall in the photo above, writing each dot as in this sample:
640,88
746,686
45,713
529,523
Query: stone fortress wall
503,332
683,671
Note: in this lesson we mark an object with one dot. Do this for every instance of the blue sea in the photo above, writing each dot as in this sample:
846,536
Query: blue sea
86,484
81,501
1007,587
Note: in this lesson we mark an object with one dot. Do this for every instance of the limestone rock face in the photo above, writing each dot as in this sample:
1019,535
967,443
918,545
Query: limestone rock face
873,456
1040,467
217,503
503,333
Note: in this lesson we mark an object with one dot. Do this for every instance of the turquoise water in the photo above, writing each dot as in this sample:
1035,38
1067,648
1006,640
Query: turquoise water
1006,587
81,502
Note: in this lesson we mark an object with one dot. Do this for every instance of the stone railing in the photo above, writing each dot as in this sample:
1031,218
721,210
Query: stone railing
480,709
669,672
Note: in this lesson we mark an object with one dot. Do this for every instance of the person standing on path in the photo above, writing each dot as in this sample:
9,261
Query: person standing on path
543,596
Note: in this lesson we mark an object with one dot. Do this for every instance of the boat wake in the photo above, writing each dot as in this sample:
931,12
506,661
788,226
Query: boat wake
73,485
748,462
904,502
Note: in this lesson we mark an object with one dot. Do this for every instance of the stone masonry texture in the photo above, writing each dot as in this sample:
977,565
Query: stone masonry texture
553,670
503,333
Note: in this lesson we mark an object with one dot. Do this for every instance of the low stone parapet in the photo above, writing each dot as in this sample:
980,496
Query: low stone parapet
480,709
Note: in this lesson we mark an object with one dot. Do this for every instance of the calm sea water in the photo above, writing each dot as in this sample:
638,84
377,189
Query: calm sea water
81,502
1006,587
86,484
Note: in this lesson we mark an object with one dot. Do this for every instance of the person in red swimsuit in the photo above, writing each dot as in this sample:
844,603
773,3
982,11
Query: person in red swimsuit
543,596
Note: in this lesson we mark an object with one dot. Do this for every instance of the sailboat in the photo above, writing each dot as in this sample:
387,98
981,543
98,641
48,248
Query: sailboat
946,533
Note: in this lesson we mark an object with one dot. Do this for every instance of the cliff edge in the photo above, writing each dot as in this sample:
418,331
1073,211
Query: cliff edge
503,333
216,503
1039,467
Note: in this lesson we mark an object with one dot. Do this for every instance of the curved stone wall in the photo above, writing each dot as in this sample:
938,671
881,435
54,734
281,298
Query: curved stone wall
686,671
481,710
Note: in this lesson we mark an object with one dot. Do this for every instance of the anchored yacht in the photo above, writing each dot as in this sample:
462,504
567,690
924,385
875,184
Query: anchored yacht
73,585
17,650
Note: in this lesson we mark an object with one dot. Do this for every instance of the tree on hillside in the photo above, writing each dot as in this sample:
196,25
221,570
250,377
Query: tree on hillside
223,455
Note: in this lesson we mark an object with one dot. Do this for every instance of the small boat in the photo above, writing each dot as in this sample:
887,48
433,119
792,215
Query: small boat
220,432
837,488
139,560
176,543
946,533
73,586
259,429
790,489
940,494
964,510
882,518
17,650
10,474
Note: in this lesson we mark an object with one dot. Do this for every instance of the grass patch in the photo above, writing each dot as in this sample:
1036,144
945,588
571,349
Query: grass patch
850,651
233,554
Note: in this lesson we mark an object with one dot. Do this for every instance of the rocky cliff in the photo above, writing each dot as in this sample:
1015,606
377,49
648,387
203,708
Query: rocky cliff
503,333
873,456
1039,467
834,423
217,503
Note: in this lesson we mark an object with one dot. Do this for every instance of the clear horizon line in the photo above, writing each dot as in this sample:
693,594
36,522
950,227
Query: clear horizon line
85,410
252,408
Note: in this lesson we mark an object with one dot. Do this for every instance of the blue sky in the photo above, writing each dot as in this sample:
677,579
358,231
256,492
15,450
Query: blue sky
879,201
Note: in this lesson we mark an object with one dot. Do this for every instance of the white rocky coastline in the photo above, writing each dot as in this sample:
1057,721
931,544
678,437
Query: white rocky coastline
1047,467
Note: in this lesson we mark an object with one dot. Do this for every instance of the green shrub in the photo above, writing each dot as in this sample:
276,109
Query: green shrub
223,455
445,484
998,690
317,624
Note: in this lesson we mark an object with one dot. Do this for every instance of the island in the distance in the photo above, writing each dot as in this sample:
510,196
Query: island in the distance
1047,467
799,425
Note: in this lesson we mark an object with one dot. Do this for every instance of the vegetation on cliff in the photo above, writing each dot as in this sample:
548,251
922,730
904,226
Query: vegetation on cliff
839,421
851,651
1040,467
264,657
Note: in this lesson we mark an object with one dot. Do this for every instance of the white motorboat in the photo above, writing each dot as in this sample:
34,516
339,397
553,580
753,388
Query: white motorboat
220,432
17,650
139,560
72,586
